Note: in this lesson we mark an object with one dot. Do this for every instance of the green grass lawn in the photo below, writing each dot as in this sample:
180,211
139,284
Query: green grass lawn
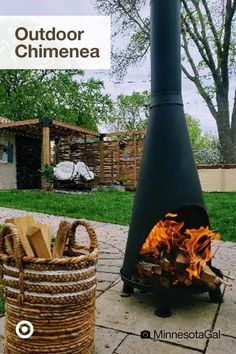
115,207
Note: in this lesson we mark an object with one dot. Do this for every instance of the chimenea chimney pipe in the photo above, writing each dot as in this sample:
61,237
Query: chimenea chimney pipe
168,178
165,52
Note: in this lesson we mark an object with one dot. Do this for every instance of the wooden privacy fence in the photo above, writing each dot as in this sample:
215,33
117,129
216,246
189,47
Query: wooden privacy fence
120,161
114,158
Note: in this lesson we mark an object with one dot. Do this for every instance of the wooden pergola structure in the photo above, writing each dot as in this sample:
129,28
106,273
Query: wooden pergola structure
106,145
46,130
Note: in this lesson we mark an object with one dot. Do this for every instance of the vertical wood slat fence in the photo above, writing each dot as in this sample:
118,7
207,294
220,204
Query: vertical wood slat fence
115,158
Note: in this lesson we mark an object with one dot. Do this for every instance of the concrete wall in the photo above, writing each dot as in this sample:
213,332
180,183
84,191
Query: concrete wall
8,170
218,179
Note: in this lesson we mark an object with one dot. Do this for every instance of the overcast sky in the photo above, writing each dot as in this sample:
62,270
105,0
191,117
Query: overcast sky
139,75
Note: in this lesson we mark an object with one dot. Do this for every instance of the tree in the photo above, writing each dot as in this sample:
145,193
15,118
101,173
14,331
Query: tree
58,94
131,111
205,148
209,48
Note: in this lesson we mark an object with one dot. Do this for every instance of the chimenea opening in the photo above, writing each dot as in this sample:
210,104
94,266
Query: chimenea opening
176,253
169,243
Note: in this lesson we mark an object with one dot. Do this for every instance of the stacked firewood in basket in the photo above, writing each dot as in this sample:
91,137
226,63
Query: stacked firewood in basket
36,237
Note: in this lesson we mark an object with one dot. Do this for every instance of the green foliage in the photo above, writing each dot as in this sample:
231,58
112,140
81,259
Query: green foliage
48,173
57,94
205,148
131,111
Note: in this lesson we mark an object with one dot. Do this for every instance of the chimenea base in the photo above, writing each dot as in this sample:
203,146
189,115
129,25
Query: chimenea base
163,306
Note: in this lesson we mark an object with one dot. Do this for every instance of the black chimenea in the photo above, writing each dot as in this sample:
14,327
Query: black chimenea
168,179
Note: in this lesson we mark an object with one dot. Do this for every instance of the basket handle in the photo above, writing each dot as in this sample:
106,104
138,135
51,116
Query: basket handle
90,231
11,230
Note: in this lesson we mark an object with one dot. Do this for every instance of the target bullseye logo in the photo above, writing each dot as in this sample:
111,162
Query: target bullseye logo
24,329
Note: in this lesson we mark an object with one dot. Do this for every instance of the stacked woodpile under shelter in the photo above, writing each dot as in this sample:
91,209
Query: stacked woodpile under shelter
115,158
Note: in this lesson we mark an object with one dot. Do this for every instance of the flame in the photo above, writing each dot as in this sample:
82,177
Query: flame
162,237
168,235
197,244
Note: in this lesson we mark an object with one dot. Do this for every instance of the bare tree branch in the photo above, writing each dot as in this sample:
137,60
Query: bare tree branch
187,73
128,13
199,39
196,79
230,11
145,25
213,28
205,41
197,42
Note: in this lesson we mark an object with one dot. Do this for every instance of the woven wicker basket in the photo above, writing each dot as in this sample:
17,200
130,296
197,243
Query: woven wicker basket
56,295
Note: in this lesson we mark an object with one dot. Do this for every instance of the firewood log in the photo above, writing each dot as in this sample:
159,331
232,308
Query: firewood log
211,279
22,223
61,239
181,261
208,276
46,231
166,265
38,242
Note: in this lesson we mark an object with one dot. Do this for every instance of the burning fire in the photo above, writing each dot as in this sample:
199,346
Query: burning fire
170,243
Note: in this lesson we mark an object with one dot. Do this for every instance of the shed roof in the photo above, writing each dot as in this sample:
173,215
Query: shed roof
33,128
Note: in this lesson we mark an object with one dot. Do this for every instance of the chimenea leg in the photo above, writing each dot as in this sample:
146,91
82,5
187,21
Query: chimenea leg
163,305
127,290
215,295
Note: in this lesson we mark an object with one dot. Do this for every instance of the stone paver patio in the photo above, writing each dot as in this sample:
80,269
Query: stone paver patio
119,321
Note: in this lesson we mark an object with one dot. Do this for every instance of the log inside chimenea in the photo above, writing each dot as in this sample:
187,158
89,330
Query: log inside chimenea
173,255
169,242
